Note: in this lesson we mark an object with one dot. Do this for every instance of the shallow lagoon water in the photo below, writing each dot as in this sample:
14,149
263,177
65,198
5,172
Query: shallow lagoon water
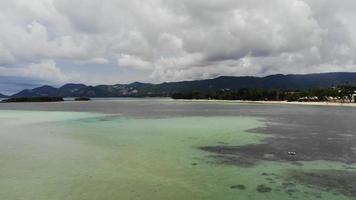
54,154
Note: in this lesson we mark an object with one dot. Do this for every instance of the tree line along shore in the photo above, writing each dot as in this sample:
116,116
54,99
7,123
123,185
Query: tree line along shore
40,99
339,94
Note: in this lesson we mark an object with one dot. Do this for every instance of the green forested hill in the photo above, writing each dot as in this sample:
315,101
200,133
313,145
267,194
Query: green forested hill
284,82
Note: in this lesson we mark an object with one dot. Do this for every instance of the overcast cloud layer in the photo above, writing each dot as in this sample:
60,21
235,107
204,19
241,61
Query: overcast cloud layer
118,41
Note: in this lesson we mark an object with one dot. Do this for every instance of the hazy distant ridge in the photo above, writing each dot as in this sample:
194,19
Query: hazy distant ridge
137,89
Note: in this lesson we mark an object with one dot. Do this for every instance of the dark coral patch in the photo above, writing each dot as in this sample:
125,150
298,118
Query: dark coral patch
263,189
340,181
239,186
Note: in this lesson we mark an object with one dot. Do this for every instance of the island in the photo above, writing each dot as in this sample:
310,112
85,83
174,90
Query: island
82,99
277,82
33,99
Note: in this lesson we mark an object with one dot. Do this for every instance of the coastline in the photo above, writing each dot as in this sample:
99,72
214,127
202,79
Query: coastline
276,102
218,101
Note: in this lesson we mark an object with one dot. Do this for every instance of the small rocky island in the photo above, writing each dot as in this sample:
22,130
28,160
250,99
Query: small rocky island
33,99
82,99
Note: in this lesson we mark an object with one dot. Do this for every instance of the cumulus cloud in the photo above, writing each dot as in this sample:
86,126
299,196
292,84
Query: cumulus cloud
135,62
162,40
45,70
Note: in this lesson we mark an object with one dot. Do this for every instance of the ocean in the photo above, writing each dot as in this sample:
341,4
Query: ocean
168,149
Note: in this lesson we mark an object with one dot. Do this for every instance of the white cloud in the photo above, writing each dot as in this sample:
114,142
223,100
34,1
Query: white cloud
135,62
44,70
173,40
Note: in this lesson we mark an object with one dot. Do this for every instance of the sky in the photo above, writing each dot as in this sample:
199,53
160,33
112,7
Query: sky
120,41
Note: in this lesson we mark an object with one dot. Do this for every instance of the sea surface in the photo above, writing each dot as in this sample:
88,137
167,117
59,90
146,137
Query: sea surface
153,149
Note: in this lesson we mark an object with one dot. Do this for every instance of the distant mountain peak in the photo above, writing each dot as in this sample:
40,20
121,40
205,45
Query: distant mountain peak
3,96
138,83
45,87
72,86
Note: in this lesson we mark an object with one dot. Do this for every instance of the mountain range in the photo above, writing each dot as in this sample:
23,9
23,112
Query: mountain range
2,96
137,89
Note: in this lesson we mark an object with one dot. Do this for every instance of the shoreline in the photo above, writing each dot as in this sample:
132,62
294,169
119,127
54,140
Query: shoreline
334,104
275,102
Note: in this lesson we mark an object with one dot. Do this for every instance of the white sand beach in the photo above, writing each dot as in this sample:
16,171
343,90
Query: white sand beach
278,102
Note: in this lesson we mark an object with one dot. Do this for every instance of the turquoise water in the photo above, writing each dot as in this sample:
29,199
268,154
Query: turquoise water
81,155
